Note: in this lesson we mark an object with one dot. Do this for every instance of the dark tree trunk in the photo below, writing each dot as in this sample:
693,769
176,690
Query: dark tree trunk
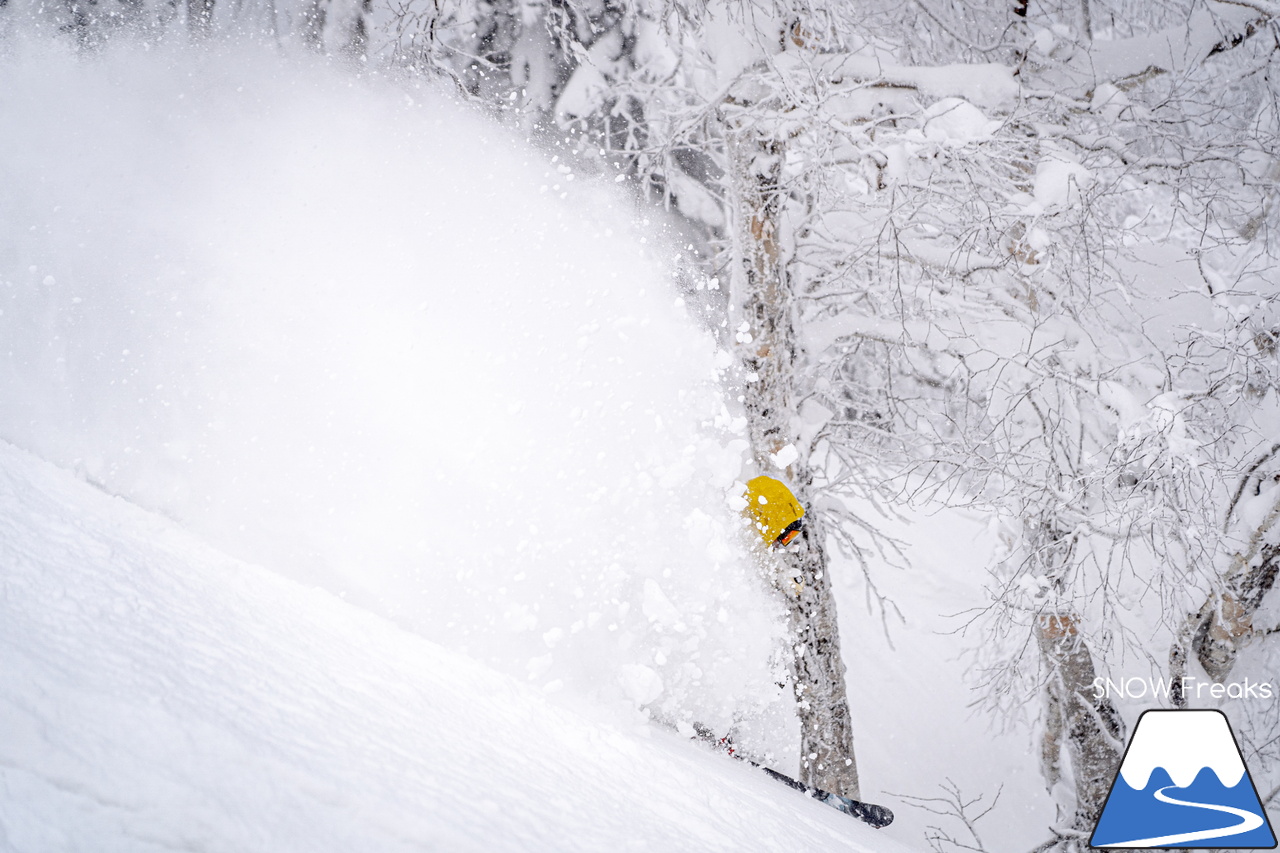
200,18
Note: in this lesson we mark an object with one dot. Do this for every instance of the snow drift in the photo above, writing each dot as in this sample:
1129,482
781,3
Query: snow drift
347,329
159,696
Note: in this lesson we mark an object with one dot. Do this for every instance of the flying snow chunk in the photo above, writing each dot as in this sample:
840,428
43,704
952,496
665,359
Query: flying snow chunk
657,606
641,684
784,457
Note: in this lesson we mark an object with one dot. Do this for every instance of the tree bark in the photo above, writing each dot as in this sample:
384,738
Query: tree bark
200,18
1081,726
770,354
1216,632
826,729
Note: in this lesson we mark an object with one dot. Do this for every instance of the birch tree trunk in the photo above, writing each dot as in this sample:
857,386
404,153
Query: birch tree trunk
1224,623
200,18
1082,728
769,352
336,25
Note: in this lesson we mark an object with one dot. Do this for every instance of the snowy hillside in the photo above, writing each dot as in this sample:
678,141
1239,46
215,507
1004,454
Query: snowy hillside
156,695
459,391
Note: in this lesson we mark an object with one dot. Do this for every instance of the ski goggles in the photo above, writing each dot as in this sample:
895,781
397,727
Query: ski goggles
790,532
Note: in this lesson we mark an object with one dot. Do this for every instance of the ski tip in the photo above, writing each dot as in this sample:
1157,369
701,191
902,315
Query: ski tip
878,816
868,813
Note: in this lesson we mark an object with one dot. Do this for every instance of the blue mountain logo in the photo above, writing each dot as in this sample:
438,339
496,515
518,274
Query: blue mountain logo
1183,783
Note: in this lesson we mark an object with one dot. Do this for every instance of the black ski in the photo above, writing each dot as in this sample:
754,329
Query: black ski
869,813
877,816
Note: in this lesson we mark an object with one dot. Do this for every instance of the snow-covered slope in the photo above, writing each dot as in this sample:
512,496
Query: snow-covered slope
348,329
158,695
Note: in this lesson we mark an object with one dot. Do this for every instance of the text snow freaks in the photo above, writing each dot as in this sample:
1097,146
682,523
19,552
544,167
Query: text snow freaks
1192,688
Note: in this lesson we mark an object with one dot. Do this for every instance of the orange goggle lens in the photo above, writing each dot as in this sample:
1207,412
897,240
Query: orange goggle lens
787,535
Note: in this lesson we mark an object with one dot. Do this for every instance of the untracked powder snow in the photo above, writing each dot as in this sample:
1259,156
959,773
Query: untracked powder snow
422,493
351,330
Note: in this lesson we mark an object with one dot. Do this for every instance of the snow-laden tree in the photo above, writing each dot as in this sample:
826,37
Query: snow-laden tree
553,68
645,91
336,27
1007,364
927,215
1016,371
960,217
764,328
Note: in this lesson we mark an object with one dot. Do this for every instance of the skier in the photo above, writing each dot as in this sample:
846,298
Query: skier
778,517
776,513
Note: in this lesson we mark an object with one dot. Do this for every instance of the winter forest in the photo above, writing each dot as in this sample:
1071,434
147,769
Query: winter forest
382,379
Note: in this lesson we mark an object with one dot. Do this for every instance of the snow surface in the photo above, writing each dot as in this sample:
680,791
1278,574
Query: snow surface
957,122
157,695
911,698
350,330
984,84
1059,182
1175,49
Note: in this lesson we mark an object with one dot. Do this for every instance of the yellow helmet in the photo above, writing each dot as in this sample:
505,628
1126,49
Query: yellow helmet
776,512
